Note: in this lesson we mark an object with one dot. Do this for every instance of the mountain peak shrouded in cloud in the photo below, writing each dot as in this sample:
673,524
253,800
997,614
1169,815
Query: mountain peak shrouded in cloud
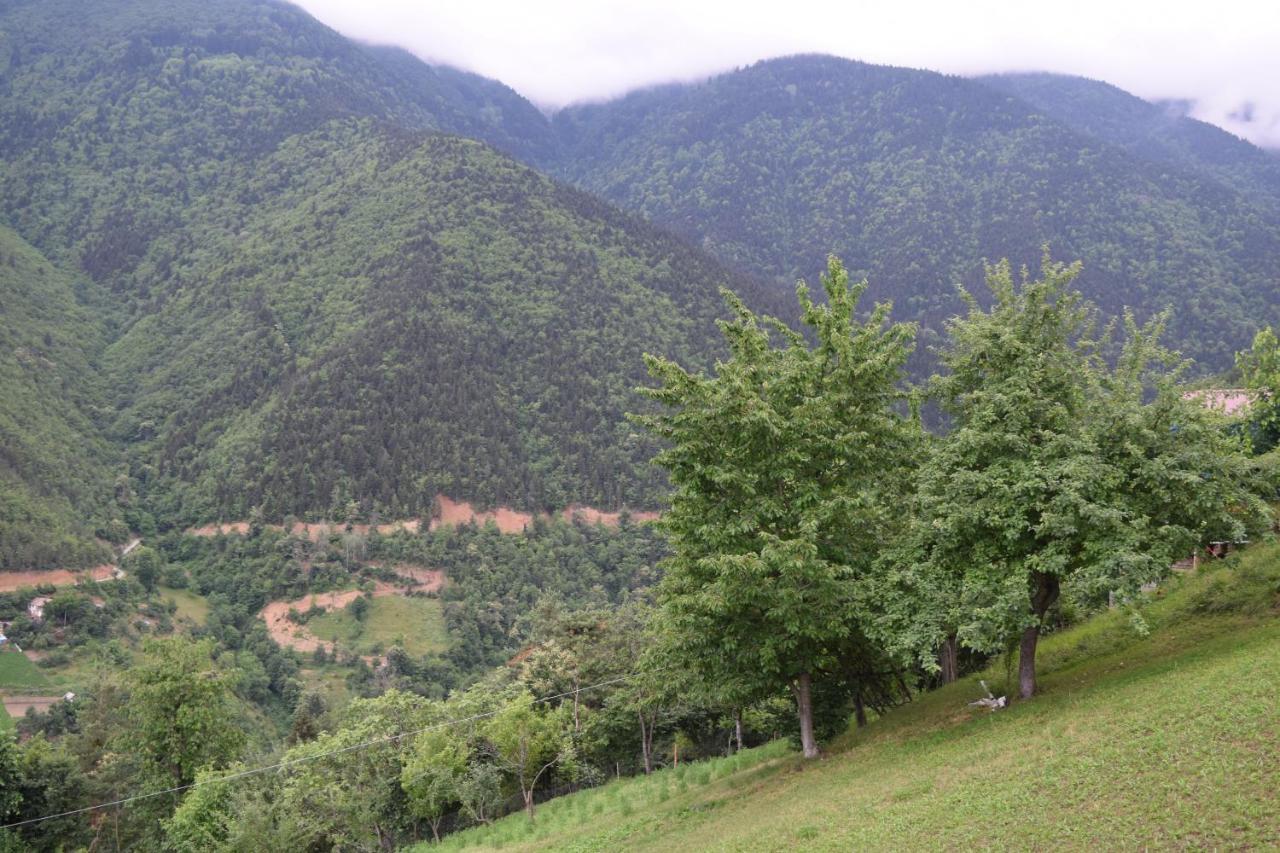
1220,58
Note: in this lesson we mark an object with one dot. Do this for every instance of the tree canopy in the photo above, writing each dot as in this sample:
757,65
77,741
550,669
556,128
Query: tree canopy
1059,469
785,465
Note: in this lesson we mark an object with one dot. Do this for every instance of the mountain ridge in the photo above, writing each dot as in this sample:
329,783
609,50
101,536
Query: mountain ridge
283,328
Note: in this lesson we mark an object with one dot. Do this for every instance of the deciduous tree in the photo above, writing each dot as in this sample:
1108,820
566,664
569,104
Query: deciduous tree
786,465
1061,469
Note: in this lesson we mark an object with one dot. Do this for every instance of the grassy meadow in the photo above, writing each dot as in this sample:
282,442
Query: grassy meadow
19,675
191,607
415,623
1165,741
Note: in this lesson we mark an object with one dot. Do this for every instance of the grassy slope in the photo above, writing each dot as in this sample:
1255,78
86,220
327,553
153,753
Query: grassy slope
1167,741
18,675
192,607
416,624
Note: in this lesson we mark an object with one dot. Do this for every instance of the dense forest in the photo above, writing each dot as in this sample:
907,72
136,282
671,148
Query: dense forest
913,177
1150,131
55,465
295,295
310,297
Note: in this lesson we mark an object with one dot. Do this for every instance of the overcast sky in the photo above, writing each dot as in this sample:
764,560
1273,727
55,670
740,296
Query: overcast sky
1223,55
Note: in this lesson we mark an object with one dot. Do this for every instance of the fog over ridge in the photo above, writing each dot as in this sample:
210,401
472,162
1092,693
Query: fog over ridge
1220,58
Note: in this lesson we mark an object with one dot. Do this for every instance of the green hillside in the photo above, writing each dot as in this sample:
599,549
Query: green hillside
122,123
311,301
320,301
1164,741
55,480
912,178
404,315
1148,130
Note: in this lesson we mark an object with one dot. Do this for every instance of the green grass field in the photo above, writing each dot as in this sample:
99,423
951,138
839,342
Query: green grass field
194,608
414,623
17,674
1169,741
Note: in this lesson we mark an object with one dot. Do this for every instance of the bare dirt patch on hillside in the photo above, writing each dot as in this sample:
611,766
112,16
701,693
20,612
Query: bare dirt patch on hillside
17,705
10,581
591,515
451,514
418,578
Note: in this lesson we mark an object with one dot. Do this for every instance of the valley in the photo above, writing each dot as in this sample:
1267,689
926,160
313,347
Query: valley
389,462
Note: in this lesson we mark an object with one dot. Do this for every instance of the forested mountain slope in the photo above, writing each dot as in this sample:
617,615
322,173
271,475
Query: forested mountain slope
309,299
1148,130
912,178
404,315
322,301
122,121
54,476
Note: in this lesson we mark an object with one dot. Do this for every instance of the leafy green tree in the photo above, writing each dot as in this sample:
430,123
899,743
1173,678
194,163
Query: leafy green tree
344,787
10,791
1059,469
145,564
433,775
526,742
1260,367
480,792
207,816
787,468
182,716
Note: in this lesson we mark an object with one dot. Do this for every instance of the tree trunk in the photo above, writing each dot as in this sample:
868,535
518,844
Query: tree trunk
528,803
949,659
859,711
435,830
737,727
1046,593
646,750
1027,662
804,709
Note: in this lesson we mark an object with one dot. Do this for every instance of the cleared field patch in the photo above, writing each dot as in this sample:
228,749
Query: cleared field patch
18,673
416,624
191,607
12,581
416,620
17,706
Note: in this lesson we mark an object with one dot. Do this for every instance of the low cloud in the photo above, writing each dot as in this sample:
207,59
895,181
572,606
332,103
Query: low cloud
1220,57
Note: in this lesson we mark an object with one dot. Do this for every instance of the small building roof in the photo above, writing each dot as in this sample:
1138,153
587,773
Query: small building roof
1228,401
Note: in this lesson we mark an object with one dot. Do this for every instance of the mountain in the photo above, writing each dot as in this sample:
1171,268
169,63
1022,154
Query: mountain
121,122
1154,132
405,315
284,271
912,178
319,290
55,475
